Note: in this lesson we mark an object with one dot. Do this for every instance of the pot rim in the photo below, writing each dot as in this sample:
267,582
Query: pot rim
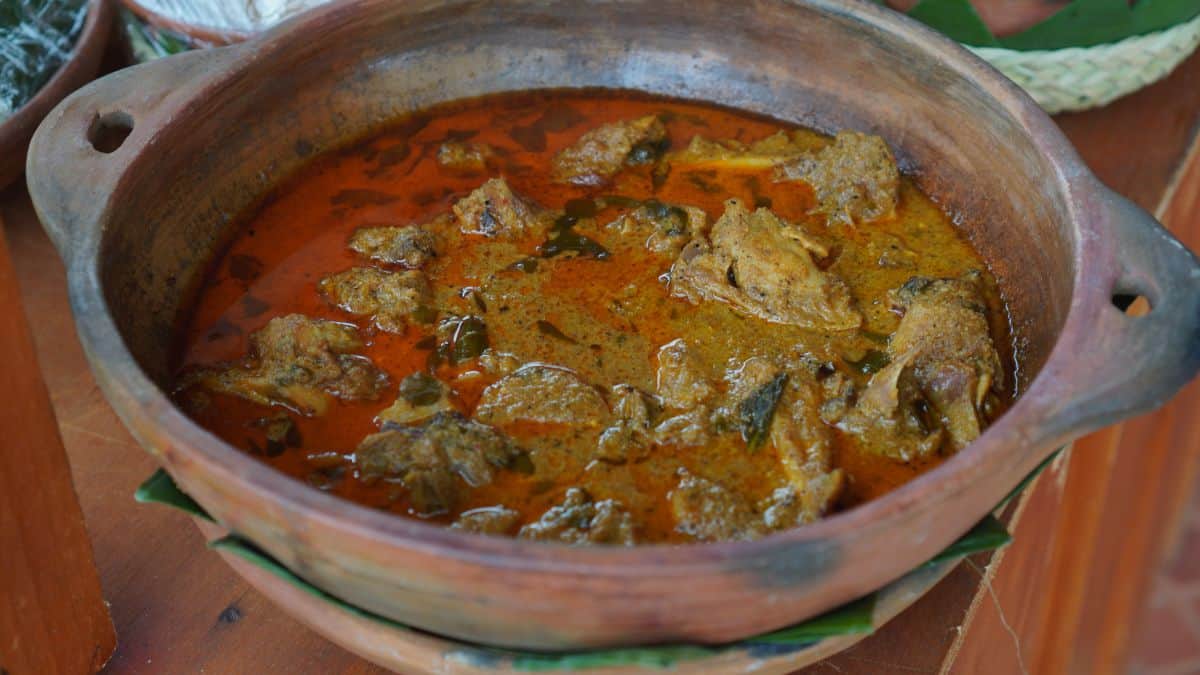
144,406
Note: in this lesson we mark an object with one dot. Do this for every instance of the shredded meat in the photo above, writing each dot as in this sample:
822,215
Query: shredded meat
709,511
855,178
602,152
667,228
729,153
943,367
421,396
764,267
545,394
805,448
411,247
581,520
435,461
494,210
682,382
387,297
299,363
628,438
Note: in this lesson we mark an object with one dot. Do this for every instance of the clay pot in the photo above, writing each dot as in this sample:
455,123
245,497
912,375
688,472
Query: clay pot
210,132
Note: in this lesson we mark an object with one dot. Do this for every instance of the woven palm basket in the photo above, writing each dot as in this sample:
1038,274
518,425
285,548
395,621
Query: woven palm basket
1078,78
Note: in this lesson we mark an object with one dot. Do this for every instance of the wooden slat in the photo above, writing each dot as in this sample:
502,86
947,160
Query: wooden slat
52,613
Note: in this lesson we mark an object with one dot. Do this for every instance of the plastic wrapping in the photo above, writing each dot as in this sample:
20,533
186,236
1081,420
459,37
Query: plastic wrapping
36,37
240,16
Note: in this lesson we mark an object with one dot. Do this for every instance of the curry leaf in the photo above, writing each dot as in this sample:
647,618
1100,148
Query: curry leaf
421,389
757,411
872,362
567,240
469,340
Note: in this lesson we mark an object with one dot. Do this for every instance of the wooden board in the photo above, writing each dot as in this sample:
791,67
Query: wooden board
52,613
179,609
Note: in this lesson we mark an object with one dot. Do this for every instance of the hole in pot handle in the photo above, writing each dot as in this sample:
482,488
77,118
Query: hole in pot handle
1142,343
84,146
109,131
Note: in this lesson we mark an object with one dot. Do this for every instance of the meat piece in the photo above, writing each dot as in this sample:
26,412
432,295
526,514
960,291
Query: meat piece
497,362
686,430
764,267
943,367
493,210
387,297
464,156
805,449
487,520
682,382
437,460
855,178
709,511
600,153
732,154
667,228
544,394
628,438
421,396
411,247
300,363
580,520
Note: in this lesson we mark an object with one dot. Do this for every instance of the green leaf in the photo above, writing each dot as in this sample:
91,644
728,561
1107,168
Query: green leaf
1083,23
957,19
1037,470
756,412
1155,15
855,618
161,489
630,657
989,534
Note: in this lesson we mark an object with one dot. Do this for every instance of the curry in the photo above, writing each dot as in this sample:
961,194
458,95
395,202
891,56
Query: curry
599,317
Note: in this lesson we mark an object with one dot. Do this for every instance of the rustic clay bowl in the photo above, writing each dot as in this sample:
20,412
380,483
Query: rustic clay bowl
212,131
78,69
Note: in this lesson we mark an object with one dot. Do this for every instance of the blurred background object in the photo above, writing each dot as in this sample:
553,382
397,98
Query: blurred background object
48,48
1070,55
158,28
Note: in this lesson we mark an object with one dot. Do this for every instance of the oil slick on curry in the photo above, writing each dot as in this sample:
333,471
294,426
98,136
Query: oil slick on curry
599,318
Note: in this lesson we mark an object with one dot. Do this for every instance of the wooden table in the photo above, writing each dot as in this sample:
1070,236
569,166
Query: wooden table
1089,533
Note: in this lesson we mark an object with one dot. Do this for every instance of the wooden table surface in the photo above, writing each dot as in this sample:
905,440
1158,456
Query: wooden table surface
1060,599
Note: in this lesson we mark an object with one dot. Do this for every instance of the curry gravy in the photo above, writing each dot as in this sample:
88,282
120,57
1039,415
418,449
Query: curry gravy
603,318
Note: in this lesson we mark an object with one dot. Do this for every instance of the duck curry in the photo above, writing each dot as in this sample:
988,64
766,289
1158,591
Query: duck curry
599,317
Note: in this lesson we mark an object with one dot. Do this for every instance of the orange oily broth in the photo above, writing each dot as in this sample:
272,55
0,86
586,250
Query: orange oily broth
299,236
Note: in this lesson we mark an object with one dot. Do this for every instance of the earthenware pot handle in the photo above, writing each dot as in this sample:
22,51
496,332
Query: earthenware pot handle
1115,365
85,145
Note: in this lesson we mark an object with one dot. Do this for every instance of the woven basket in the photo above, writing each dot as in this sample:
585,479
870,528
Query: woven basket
1079,78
